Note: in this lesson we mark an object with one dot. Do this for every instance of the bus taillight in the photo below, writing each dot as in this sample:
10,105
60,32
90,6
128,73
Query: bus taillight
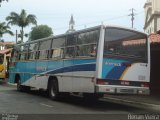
102,82
145,85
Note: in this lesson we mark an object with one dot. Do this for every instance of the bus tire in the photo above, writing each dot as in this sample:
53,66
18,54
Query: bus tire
53,89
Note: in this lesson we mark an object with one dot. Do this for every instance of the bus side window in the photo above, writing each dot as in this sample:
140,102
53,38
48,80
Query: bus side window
93,52
31,56
47,54
41,54
51,53
26,56
19,56
86,44
22,56
69,53
37,54
57,53
86,50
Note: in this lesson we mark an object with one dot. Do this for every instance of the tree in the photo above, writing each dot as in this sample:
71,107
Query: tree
40,31
4,29
22,20
2,1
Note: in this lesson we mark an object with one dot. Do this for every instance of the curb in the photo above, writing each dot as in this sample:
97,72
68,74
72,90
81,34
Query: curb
132,103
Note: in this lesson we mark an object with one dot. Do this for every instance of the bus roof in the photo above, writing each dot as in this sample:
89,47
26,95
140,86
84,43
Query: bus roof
127,28
84,30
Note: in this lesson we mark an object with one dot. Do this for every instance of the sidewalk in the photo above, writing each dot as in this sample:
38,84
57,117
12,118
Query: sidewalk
142,101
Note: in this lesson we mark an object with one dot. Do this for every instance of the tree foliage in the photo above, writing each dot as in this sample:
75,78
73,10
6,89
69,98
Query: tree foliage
4,29
22,20
39,32
2,1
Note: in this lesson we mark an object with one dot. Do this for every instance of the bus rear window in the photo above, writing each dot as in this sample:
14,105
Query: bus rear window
125,44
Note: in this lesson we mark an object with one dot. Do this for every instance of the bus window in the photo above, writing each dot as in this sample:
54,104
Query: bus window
88,37
31,55
32,51
57,50
69,52
125,44
23,52
44,49
37,53
44,45
71,40
22,56
57,53
86,44
58,42
86,50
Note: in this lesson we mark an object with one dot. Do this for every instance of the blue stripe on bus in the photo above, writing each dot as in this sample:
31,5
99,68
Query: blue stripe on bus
115,73
113,68
84,67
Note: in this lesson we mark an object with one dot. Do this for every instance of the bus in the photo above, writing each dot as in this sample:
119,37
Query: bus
93,62
4,63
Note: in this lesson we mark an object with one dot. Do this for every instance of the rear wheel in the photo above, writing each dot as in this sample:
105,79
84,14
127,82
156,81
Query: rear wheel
53,89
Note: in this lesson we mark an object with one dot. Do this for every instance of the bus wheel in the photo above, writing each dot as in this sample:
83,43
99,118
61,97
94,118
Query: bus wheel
53,89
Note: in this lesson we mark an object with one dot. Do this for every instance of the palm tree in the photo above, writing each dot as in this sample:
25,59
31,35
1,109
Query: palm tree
2,1
4,29
22,20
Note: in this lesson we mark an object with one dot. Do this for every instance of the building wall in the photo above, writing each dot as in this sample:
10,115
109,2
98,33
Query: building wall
152,8
158,24
150,28
155,6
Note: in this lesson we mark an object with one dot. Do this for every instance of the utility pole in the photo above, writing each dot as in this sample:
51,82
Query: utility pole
132,16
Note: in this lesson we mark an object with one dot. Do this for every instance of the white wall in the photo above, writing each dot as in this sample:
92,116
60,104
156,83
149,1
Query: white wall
158,24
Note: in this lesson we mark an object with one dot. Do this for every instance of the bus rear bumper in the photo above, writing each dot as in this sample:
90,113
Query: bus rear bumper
111,89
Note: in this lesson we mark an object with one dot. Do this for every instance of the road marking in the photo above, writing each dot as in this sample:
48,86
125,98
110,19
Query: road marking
46,105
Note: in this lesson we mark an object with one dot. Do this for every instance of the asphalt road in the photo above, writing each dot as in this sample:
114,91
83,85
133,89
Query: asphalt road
37,105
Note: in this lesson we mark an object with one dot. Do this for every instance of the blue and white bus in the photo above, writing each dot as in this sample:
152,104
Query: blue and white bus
93,61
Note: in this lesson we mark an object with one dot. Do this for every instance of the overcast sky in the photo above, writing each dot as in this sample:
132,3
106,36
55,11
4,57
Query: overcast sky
86,13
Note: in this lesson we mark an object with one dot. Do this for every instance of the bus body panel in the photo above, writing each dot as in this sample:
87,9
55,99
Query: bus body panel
73,75
122,72
87,74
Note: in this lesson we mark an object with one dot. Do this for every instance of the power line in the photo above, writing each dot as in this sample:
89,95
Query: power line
110,19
